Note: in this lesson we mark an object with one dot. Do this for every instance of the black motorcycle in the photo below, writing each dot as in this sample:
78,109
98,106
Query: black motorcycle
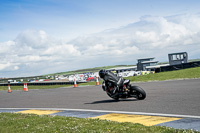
125,91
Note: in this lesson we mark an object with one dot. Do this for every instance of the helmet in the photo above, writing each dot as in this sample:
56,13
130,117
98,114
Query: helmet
102,73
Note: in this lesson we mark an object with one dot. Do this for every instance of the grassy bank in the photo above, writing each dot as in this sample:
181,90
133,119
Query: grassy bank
27,123
170,75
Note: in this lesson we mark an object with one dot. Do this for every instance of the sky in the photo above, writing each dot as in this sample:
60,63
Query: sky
47,36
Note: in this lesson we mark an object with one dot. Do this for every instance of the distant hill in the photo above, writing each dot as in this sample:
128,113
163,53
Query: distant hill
87,70
99,68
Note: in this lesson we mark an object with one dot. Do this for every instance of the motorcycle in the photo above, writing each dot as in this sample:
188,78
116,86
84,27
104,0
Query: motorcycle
125,91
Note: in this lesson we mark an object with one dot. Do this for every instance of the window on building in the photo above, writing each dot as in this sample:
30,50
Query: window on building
177,57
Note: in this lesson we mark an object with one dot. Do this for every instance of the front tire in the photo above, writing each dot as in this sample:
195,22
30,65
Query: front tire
138,92
115,98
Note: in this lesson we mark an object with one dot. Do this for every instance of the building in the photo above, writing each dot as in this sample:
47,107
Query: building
145,62
178,58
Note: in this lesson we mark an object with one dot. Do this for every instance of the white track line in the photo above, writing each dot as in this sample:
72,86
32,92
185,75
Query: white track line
110,111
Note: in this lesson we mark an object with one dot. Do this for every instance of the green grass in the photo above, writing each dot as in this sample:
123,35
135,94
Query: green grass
170,75
34,87
45,86
28,123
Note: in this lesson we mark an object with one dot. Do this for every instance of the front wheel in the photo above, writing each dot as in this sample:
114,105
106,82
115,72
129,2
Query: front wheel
115,98
138,92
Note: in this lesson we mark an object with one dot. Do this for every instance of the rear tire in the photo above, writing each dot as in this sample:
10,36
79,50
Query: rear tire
138,92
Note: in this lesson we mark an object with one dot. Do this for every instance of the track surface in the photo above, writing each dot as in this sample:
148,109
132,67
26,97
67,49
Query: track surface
179,97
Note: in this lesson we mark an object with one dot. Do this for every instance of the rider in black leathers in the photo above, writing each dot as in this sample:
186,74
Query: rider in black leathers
111,77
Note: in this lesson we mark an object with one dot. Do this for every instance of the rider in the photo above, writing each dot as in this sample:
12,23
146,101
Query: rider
111,77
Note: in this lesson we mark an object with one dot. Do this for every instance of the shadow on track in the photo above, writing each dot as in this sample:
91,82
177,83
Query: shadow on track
112,101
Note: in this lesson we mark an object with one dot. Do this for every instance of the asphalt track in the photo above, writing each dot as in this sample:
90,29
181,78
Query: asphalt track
178,98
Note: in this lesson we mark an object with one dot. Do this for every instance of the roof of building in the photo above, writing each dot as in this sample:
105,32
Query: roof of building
146,58
144,62
177,53
121,68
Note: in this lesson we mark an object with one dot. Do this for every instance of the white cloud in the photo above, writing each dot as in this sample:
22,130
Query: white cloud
34,39
8,66
34,52
62,49
4,66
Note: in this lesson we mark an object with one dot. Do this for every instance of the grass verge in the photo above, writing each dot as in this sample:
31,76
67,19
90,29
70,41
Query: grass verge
27,123
170,75
34,87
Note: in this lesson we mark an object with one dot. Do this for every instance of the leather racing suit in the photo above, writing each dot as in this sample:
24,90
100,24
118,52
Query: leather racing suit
115,80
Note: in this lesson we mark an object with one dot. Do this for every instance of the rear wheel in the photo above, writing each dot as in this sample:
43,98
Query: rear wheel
138,92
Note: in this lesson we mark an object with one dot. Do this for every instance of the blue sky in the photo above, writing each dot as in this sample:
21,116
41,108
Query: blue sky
70,18
40,33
